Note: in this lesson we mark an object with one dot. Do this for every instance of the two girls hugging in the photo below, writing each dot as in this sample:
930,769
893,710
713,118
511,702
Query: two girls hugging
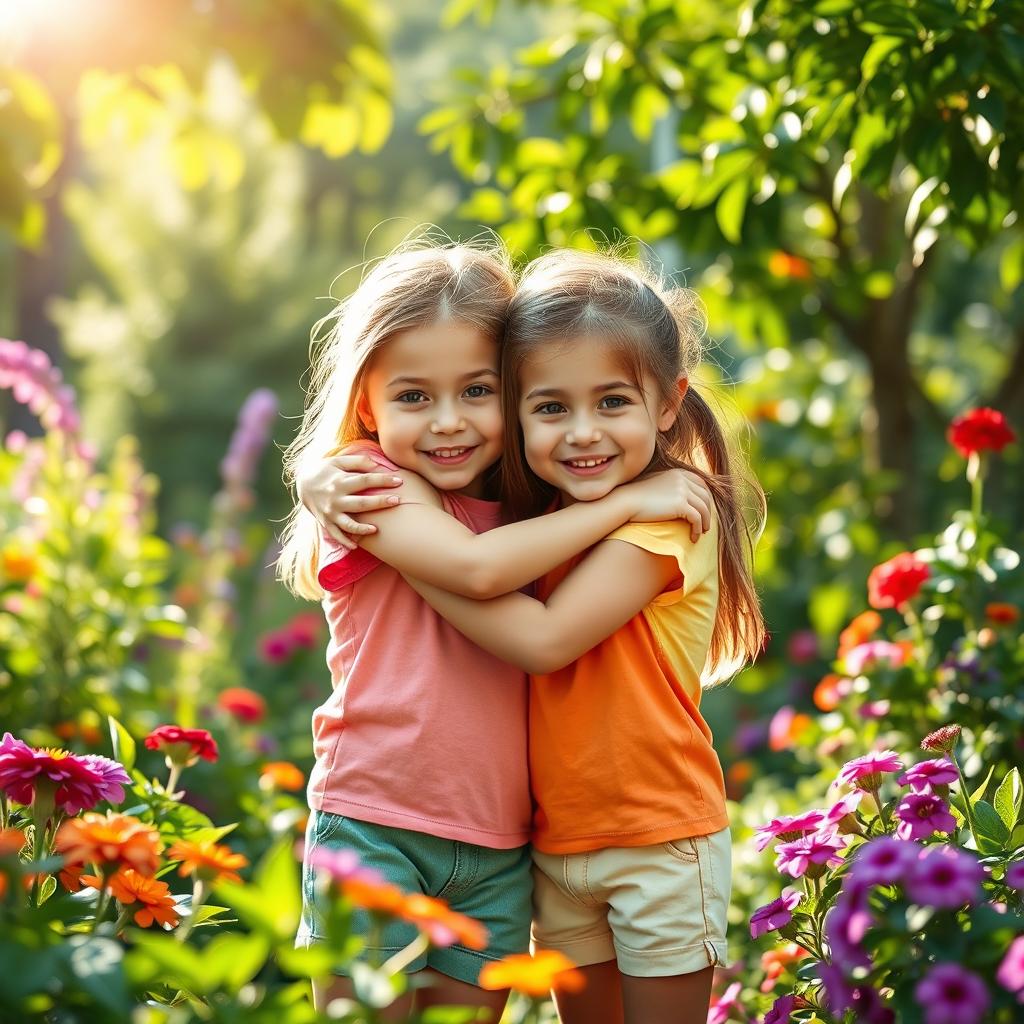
520,633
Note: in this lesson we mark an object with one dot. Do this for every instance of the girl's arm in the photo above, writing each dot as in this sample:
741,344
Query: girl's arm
422,541
611,585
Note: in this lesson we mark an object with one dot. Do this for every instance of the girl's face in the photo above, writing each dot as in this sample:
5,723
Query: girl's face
431,396
587,426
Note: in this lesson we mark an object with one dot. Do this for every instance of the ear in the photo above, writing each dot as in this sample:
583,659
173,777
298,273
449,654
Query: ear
670,410
365,413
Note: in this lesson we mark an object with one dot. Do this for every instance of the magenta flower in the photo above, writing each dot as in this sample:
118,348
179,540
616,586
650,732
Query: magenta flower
776,914
922,815
1010,973
1014,876
840,813
725,1004
810,854
922,777
780,1011
76,782
37,383
945,878
788,828
950,994
839,993
872,653
866,772
883,861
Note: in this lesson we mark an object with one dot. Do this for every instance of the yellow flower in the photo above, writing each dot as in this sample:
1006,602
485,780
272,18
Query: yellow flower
209,862
546,971
19,563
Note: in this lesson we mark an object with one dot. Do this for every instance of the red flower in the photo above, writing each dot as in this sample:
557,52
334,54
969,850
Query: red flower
895,582
244,704
276,647
182,746
980,430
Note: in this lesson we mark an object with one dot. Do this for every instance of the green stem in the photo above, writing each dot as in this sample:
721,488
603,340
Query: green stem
966,794
198,899
405,956
976,475
122,921
102,902
173,775
882,816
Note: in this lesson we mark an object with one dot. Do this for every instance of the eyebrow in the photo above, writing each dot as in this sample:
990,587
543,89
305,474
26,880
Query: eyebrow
615,385
423,381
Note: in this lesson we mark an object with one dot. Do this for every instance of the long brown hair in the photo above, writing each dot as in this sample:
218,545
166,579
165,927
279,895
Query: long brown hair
419,284
658,330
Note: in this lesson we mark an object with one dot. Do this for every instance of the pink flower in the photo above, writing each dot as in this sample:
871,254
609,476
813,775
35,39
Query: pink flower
276,647
37,383
77,782
922,815
945,878
950,994
810,854
1010,973
847,923
883,861
866,656
776,914
866,772
725,1004
921,777
841,814
802,646
788,828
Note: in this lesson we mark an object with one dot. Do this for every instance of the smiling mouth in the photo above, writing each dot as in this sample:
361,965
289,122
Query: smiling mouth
587,467
450,456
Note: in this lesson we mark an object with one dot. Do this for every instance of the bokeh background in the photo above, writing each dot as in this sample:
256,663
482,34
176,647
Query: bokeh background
186,186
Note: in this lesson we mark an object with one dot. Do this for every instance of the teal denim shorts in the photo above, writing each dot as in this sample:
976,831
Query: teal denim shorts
493,887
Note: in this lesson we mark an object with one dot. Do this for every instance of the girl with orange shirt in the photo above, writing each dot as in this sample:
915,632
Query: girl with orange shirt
630,831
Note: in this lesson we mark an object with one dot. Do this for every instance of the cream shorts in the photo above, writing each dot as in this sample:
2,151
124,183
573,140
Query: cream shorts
656,910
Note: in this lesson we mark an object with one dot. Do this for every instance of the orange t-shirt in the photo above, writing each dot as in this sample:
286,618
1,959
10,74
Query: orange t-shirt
619,752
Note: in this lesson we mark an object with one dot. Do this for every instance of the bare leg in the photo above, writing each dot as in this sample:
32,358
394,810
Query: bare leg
600,1001
445,991
682,999
325,991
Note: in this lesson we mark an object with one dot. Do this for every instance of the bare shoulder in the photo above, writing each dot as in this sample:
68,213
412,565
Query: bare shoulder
414,490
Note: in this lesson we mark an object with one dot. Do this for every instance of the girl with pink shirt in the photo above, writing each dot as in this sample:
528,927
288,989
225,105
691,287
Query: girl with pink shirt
421,752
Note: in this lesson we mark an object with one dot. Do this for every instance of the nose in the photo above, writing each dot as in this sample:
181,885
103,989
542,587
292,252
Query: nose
582,432
447,420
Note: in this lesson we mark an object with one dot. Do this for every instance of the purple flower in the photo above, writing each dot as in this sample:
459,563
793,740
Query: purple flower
922,777
36,382
809,854
922,815
868,1007
113,778
1010,973
776,914
847,923
950,994
780,1011
839,993
788,828
1014,876
883,861
945,878
255,421
866,772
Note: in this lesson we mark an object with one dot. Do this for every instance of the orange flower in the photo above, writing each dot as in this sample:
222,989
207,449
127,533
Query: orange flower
209,862
370,893
155,896
546,971
281,775
19,564
244,704
110,839
786,728
826,693
443,926
11,842
1003,614
775,961
860,631
783,264
737,777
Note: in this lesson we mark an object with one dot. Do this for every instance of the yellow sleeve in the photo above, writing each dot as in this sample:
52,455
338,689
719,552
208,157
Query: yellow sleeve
672,538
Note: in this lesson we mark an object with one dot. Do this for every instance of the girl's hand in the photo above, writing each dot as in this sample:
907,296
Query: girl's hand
330,492
674,494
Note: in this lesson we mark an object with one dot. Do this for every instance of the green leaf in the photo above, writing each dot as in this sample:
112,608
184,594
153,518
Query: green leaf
980,791
990,833
828,607
730,209
96,964
232,960
877,53
122,743
181,965
1008,799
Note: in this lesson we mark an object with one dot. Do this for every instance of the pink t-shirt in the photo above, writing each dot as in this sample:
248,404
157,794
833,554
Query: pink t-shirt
423,729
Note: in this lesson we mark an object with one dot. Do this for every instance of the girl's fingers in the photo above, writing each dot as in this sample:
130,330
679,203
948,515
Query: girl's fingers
350,526
354,463
366,502
343,539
